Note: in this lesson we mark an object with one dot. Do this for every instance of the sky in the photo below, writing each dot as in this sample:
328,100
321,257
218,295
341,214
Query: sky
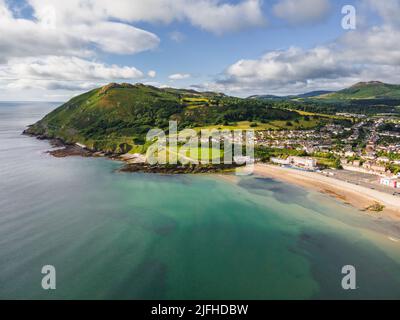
52,50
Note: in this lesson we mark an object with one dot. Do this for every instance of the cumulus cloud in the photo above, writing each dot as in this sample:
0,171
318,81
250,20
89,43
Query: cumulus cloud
57,43
297,70
297,12
291,65
220,18
179,76
65,68
378,45
62,73
54,31
212,15
368,53
216,16
26,84
79,27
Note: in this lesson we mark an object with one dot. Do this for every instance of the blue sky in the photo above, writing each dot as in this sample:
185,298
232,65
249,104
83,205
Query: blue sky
52,50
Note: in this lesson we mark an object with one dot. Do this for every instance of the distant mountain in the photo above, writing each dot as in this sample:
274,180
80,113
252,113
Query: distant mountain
291,97
365,90
372,90
364,97
313,94
267,97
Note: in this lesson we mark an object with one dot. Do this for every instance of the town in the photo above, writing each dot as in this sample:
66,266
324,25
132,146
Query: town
367,152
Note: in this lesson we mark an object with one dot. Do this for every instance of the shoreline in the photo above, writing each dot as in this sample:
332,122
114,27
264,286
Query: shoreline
357,196
63,150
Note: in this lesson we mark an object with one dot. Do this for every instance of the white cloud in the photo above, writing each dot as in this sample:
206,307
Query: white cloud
62,73
44,85
81,28
65,68
220,18
152,74
216,16
297,12
179,76
117,38
293,65
371,54
378,45
58,30
368,53
57,43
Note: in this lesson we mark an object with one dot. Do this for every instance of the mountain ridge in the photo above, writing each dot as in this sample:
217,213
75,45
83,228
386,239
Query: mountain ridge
359,91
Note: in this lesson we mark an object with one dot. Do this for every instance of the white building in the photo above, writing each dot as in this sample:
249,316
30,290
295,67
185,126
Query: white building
280,161
300,162
304,162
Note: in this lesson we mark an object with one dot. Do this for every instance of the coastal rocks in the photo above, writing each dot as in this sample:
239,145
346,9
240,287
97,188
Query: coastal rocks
56,143
133,162
70,150
178,169
30,132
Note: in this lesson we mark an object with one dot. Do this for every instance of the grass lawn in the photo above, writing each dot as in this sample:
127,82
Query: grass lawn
196,154
325,162
241,125
272,125
321,115
195,99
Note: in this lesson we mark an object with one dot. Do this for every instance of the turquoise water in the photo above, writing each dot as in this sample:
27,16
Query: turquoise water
116,235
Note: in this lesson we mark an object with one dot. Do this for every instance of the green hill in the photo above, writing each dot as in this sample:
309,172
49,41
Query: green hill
117,117
365,90
367,98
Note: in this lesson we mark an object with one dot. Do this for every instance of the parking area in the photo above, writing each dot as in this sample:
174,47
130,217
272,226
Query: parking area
363,179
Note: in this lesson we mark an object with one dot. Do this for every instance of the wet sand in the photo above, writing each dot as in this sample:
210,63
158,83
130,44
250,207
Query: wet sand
357,196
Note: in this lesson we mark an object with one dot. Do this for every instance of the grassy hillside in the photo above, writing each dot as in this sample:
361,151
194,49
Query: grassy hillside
368,98
117,117
366,90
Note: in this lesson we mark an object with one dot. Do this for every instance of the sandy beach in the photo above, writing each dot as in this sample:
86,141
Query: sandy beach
355,195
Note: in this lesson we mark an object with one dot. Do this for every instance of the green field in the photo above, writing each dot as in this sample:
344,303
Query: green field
187,154
365,90
321,115
271,125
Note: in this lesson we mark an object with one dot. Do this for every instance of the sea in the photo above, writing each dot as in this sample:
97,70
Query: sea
113,235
